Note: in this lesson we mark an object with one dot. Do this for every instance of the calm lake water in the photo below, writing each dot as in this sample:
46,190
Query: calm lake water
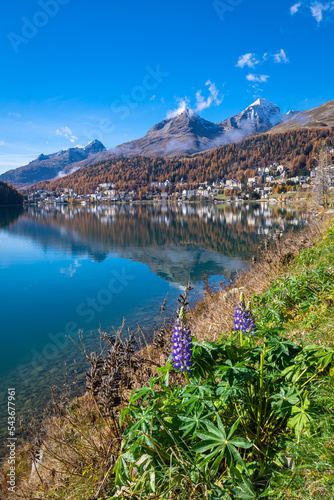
66,269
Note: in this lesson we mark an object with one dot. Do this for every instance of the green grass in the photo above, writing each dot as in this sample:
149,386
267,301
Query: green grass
222,197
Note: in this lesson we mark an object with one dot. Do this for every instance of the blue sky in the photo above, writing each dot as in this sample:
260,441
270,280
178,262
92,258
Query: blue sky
76,70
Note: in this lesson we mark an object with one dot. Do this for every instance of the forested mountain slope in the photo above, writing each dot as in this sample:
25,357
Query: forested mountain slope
296,149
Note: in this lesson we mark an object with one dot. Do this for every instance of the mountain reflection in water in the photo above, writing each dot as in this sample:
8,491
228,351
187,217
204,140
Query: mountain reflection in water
176,242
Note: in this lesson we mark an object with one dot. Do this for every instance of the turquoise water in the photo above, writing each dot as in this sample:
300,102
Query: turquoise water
67,269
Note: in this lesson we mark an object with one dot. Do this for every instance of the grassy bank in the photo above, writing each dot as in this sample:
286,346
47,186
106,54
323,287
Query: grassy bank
253,418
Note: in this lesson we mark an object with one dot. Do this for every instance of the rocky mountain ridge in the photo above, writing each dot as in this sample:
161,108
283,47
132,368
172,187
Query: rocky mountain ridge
184,134
51,166
322,116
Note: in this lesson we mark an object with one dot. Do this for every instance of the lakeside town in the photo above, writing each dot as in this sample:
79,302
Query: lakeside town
270,182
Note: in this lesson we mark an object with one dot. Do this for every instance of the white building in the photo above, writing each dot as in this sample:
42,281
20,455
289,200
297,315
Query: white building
233,183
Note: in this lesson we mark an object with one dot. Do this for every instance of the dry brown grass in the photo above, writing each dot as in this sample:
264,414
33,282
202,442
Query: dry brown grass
214,315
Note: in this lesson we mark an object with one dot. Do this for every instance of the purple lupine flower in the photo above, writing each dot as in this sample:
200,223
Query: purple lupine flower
243,318
182,344
238,316
248,323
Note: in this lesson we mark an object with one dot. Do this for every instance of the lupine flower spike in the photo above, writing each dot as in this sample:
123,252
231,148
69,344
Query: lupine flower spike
249,326
182,344
243,319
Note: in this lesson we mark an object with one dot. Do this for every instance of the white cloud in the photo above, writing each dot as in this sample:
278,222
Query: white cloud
16,115
67,132
294,9
281,57
257,78
214,98
2,143
153,97
248,60
183,103
317,9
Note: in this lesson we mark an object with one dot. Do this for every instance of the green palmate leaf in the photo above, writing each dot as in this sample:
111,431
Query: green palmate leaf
321,357
221,445
199,388
143,418
302,416
146,391
193,421
281,350
284,401
299,422
226,391
238,371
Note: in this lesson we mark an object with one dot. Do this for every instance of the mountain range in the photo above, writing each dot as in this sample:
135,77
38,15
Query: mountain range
184,134
47,167
188,133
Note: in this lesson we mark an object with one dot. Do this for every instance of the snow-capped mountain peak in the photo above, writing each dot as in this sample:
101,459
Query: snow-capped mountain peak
263,103
258,117
94,147
263,111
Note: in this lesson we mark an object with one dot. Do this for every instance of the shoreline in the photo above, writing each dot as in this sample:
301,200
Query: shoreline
173,202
